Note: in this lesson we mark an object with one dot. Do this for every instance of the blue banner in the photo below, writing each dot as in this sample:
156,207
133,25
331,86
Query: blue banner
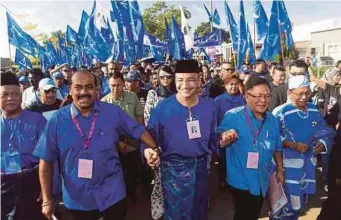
155,41
209,40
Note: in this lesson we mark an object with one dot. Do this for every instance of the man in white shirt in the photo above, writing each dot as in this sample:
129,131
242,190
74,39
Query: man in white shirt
31,95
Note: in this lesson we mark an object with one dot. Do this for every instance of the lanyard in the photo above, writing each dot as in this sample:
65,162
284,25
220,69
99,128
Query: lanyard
254,135
91,131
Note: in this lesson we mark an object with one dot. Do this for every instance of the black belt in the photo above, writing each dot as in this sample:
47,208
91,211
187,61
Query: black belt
15,176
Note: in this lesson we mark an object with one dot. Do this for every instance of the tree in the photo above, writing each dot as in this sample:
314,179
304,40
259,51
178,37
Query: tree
154,18
205,27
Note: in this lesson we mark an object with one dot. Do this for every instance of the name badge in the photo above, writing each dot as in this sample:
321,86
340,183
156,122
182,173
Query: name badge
193,129
12,162
252,160
85,168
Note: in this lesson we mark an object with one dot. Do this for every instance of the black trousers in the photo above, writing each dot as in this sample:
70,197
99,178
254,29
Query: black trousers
19,197
130,165
247,206
114,212
331,208
222,167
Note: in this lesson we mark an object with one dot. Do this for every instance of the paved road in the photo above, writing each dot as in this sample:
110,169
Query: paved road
221,206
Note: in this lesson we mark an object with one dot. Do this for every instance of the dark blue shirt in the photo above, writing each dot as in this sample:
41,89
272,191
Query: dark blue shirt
225,102
61,138
23,134
168,125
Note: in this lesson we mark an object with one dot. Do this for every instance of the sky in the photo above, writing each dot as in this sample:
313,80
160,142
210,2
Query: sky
54,15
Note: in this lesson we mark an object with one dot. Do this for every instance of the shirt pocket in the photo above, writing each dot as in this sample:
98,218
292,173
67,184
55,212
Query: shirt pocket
28,140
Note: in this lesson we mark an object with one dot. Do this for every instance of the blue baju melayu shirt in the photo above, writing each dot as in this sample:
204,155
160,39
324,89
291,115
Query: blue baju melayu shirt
269,140
168,125
23,134
225,102
61,138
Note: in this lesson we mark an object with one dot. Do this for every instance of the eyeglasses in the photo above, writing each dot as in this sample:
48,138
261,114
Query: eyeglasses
166,77
54,90
260,96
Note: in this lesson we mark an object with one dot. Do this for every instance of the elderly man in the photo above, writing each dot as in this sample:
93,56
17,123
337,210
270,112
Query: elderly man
251,136
184,125
305,134
93,184
20,131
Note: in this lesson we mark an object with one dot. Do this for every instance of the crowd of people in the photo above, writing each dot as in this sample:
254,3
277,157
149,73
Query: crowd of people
89,136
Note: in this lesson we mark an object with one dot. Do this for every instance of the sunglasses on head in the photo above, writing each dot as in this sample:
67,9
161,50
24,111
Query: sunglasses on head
54,90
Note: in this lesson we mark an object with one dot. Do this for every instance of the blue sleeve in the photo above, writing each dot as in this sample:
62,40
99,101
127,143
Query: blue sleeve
129,126
279,141
225,123
47,147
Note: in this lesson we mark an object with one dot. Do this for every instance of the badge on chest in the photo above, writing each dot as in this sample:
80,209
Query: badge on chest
12,162
85,167
193,129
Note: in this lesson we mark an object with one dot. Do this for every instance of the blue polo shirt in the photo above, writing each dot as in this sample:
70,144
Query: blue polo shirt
23,134
61,138
167,123
269,140
64,91
226,102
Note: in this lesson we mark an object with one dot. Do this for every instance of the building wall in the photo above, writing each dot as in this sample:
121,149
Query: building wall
327,43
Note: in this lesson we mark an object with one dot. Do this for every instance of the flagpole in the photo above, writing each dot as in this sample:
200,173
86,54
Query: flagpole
10,54
211,18
254,37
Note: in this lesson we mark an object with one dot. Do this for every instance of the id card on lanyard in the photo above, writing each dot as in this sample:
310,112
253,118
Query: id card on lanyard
193,127
85,166
253,157
12,161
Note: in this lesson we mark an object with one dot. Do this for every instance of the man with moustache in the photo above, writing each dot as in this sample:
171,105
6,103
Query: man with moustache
184,126
20,131
92,177
251,136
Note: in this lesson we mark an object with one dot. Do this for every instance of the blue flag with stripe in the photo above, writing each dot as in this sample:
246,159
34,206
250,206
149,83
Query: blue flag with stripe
22,61
233,26
260,19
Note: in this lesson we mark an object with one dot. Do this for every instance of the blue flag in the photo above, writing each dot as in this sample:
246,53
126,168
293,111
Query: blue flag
94,44
118,47
107,34
62,49
178,41
216,17
289,41
284,17
233,27
71,35
168,36
22,61
251,49
51,54
19,38
260,19
124,13
242,40
208,13
138,27
272,43
81,29
201,49
44,62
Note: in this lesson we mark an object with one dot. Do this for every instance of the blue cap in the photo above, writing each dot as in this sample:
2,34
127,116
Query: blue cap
46,84
133,75
23,79
57,75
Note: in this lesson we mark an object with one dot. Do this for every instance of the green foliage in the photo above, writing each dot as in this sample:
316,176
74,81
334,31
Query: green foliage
205,27
154,18
319,71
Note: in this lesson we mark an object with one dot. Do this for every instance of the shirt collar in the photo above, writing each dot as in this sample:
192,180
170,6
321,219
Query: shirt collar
75,111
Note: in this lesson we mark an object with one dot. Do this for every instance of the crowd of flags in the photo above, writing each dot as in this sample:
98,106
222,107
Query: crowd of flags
123,37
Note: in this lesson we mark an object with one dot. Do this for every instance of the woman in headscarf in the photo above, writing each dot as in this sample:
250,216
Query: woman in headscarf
166,87
232,98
